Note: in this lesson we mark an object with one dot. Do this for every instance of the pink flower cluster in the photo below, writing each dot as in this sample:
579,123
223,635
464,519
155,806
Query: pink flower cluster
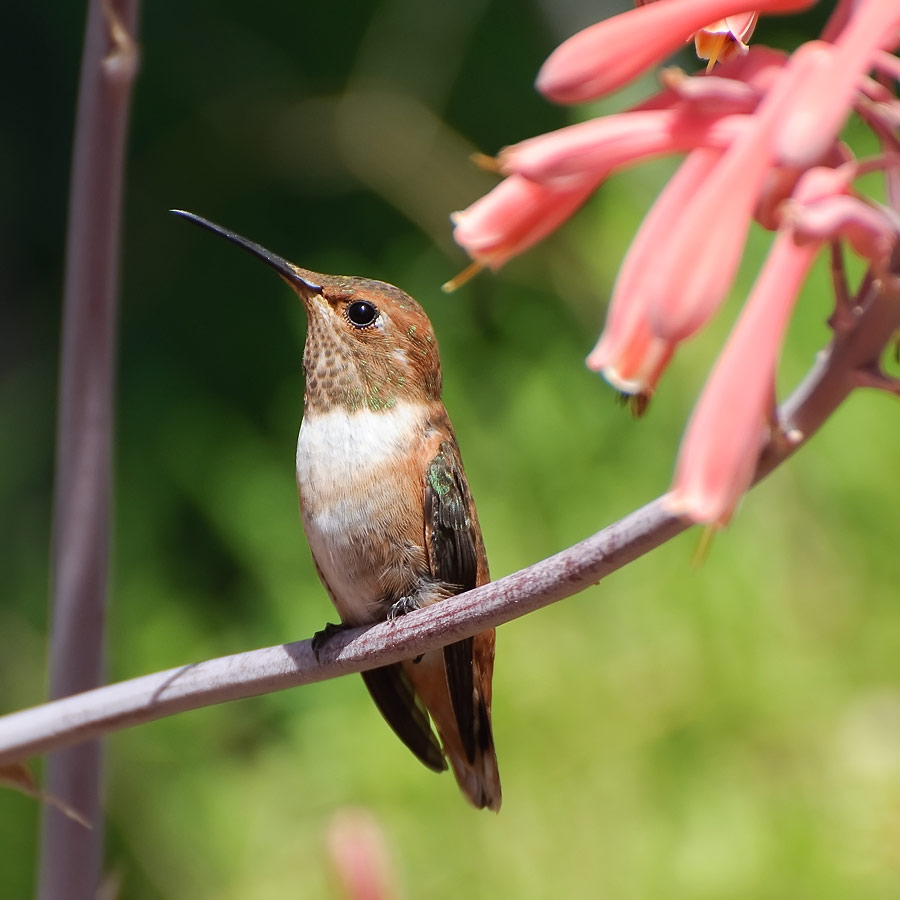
761,138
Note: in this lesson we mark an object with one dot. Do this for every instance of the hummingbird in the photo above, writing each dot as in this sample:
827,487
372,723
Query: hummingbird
386,506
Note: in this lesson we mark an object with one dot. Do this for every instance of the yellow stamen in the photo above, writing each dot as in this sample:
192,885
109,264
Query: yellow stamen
717,46
638,403
672,77
704,545
467,274
486,163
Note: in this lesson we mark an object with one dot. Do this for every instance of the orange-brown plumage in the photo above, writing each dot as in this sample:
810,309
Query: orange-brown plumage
386,506
376,413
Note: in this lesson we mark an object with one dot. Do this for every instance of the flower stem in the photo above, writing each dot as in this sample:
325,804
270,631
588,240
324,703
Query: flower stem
71,854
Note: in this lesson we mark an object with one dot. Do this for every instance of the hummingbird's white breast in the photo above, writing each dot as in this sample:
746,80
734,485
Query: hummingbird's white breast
361,500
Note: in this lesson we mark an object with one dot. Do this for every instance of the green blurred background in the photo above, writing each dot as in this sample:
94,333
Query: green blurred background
728,731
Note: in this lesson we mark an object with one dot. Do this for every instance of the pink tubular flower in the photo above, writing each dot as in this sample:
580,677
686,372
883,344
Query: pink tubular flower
736,87
868,231
631,357
822,106
824,208
690,112
607,55
600,146
552,175
761,137
515,215
721,445
728,427
696,267
359,855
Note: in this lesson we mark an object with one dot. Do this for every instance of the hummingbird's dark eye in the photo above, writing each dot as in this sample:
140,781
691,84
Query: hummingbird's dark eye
362,313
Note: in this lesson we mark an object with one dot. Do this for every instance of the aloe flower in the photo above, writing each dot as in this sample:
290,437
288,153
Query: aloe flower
823,106
552,175
359,855
761,135
696,267
514,216
629,353
688,113
728,427
601,146
730,423
609,54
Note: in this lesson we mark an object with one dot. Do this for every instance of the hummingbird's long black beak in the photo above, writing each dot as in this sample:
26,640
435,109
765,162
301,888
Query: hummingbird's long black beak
289,272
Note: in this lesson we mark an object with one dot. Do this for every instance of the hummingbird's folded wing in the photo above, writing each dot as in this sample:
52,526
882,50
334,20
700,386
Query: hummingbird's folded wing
397,701
450,542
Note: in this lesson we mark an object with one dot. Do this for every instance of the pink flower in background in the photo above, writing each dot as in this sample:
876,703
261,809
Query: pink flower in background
870,232
740,81
685,256
359,855
730,422
822,107
824,207
630,355
601,146
761,136
609,54
514,216
552,175
696,266
688,113
728,426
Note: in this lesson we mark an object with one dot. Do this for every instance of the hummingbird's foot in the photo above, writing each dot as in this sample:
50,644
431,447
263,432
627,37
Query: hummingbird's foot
402,607
320,638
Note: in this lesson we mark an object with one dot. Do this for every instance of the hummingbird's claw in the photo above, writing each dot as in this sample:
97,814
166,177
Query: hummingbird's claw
321,638
402,607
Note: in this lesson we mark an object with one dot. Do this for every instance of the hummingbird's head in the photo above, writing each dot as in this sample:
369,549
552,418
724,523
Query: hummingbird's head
369,345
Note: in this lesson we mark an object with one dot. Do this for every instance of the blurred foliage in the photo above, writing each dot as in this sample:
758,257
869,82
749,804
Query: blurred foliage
730,731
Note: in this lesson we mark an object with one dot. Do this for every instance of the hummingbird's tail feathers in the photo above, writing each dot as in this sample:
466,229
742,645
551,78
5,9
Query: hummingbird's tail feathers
479,779
476,772
476,767
395,698
460,670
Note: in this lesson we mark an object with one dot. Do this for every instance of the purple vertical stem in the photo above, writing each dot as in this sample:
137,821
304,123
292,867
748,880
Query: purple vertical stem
71,855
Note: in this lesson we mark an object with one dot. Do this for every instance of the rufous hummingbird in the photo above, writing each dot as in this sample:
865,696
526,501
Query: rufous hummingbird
386,506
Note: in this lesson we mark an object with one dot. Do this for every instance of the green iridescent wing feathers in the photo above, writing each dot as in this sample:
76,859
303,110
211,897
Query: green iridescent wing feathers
454,561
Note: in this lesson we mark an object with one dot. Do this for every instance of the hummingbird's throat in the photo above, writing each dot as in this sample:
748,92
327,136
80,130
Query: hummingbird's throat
338,376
